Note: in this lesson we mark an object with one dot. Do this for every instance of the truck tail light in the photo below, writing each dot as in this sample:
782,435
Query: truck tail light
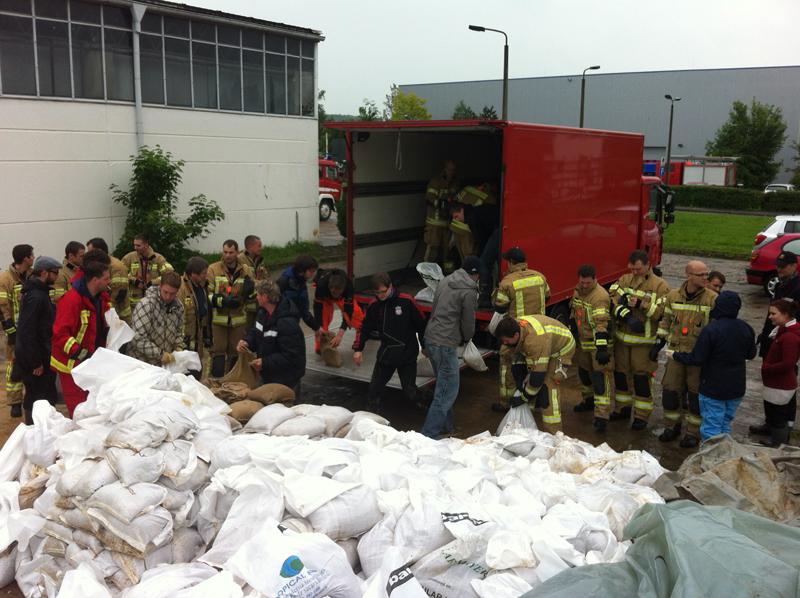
754,255
759,239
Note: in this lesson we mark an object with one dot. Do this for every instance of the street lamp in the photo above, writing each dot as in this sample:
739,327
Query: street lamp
583,87
669,142
505,66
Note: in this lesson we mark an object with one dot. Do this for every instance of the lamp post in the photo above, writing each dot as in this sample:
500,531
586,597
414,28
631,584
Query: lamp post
505,66
669,142
583,87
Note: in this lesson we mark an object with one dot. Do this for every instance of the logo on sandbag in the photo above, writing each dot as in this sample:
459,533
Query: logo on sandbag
291,567
397,578
456,517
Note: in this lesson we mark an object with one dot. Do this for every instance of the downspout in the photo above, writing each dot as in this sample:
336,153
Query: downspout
137,10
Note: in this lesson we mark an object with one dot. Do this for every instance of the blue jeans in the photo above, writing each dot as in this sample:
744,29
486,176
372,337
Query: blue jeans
490,254
444,362
717,416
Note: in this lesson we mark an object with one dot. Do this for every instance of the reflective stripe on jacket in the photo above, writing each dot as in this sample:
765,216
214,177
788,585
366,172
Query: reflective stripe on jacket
220,284
591,310
652,291
75,327
10,296
156,265
439,188
683,319
524,291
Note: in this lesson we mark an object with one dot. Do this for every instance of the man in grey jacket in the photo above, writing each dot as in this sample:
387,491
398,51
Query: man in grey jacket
452,323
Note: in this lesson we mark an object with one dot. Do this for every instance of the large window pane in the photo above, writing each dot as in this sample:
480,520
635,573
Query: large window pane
252,39
56,9
293,85
176,27
52,43
228,35
293,46
119,64
84,12
203,31
230,78
150,47
276,83
204,71
22,7
17,65
308,88
253,73
87,62
308,48
151,22
117,16
275,43
179,74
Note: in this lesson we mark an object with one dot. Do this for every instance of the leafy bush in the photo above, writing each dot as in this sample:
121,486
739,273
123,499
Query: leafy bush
782,201
730,198
152,202
341,215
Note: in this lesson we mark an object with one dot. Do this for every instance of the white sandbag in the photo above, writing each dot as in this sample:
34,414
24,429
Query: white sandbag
119,332
425,295
9,505
395,579
373,545
68,479
350,547
270,417
54,547
8,558
302,425
222,585
515,420
180,460
98,476
131,468
48,425
144,429
177,417
350,514
449,571
313,559
201,396
304,408
82,582
160,556
431,273
496,317
88,541
176,498
185,543
154,527
472,357
501,585
105,366
334,418
305,494
57,531
127,503
185,361
296,524
420,530
12,455
197,479
206,441
166,581
77,519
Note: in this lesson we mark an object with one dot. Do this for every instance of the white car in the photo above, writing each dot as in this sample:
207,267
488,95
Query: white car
779,187
783,224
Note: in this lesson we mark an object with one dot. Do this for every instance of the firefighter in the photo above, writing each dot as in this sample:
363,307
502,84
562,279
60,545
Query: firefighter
231,286
484,222
333,287
193,296
118,287
522,292
73,259
253,258
590,317
546,347
638,300
686,313
144,267
11,282
440,191
463,240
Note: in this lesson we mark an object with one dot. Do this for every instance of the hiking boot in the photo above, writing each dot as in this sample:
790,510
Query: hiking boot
500,408
670,434
638,424
452,433
622,414
585,405
689,441
761,430
778,436
16,410
600,423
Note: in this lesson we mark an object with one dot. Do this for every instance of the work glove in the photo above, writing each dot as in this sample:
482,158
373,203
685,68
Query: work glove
230,302
542,398
602,356
11,339
635,324
167,358
82,355
120,296
519,371
516,400
248,288
657,346
187,340
140,284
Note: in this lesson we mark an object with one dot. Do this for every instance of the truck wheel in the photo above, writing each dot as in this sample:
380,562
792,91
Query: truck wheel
770,281
325,209
560,312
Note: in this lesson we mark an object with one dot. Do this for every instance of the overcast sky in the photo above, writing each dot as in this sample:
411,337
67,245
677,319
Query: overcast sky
370,44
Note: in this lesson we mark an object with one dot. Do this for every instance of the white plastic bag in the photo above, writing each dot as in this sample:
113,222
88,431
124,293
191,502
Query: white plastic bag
394,580
12,455
48,425
473,358
431,273
119,332
517,418
494,322
184,362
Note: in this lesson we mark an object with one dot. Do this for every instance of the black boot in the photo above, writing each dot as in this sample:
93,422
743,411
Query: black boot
778,436
638,424
585,405
622,414
760,429
485,290
670,434
500,407
689,441
16,410
600,423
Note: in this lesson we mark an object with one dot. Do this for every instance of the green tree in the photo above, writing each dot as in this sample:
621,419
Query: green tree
405,106
462,111
324,117
152,201
369,111
489,113
755,134
795,180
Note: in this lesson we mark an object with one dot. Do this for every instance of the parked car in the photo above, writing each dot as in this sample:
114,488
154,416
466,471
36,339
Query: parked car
779,187
762,270
782,225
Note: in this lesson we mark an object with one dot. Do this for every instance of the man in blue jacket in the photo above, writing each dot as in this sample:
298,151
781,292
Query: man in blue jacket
293,284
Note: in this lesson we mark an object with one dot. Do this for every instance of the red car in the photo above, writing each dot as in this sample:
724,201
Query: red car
762,270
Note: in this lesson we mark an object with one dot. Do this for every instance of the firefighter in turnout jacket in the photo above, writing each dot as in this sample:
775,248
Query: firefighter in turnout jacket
11,282
463,240
591,317
638,300
193,295
118,297
686,313
73,260
231,286
144,267
440,190
546,348
522,292
252,257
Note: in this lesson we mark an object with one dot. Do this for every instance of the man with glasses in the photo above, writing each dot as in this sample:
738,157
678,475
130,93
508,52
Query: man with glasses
399,322
686,313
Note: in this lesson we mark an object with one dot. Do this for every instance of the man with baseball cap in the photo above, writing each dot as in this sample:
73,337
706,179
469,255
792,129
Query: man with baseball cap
34,333
788,287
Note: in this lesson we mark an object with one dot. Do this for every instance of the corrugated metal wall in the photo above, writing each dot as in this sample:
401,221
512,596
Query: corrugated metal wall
633,102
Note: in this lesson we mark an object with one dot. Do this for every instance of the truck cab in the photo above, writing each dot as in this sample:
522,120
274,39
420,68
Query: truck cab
330,189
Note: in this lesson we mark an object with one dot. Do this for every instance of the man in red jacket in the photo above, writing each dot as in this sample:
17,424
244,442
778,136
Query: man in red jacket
80,327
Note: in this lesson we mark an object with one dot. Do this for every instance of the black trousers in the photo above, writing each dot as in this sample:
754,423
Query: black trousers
778,415
383,372
39,388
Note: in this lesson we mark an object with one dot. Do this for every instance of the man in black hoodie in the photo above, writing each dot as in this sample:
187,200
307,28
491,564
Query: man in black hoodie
293,284
34,333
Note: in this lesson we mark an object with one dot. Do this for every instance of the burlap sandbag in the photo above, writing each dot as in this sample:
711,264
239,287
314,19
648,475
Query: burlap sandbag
242,372
242,411
272,393
330,354
230,392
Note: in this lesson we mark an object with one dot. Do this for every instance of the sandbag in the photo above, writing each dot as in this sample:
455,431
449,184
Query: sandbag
185,361
243,411
334,417
48,425
267,394
127,503
350,514
270,417
242,372
98,476
304,425
154,527
330,354
67,481
230,392
180,460
131,468
473,358
185,543
119,332
144,429
517,417
394,579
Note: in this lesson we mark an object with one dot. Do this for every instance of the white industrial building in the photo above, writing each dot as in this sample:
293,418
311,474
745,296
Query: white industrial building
234,97
634,102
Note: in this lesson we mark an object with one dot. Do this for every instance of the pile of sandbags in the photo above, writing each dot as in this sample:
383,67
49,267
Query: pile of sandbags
149,492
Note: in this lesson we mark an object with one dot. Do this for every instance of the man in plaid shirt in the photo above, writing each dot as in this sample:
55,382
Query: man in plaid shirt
158,323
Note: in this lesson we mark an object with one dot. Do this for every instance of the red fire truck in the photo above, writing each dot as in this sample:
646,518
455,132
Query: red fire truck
330,189
715,171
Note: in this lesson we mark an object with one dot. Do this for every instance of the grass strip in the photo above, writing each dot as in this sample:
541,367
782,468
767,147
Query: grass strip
719,235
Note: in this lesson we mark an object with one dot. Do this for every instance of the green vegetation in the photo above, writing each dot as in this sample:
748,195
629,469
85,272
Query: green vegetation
723,235
279,257
733,198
